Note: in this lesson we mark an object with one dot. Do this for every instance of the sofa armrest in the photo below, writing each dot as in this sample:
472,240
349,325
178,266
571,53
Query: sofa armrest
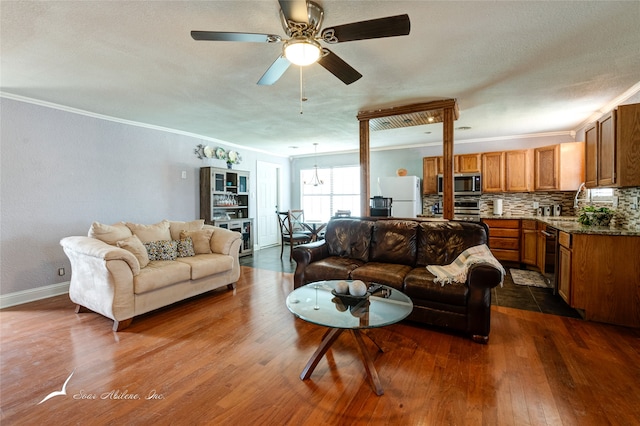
101,277
92,247
222,240
484,276
304,255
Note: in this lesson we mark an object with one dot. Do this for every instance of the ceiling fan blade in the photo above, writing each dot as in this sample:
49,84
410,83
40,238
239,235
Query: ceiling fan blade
336,66
274,72
390,26
225,36
295,10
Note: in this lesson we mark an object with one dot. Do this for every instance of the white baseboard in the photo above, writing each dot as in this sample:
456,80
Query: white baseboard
31,295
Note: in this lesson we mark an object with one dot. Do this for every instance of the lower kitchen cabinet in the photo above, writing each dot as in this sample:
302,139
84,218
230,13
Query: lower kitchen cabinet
504,238
564,266
529,242
604,283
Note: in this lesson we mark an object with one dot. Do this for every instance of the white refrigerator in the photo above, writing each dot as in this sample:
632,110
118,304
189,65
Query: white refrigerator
405,194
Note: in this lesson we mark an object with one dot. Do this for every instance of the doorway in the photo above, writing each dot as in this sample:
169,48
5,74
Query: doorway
267,201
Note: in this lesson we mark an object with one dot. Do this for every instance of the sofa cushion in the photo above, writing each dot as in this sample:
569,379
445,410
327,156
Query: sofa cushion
204,265
391,274
419,285
149,233
175,227
201,240
135,246
185,247
394,241
440,243
162,250
349,237
110,234
160,273
331,268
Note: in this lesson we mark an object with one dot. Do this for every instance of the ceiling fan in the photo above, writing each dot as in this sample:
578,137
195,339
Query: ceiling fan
301,20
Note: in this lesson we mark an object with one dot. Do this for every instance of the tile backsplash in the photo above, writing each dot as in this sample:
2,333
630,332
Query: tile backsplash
521,204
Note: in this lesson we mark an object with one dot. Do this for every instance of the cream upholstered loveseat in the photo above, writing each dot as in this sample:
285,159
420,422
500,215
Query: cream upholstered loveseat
126,269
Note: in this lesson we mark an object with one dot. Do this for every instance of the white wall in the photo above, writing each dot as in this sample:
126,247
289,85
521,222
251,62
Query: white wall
60,171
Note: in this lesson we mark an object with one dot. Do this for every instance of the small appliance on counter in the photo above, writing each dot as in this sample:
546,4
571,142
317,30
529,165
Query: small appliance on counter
380,206
547,211
497,207
557,209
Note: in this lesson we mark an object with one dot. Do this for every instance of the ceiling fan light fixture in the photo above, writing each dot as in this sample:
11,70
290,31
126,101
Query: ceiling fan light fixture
302,51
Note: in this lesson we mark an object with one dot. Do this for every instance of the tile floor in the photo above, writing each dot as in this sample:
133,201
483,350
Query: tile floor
510,295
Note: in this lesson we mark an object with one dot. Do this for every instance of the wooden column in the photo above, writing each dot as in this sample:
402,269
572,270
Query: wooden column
447,161
365,184
445,111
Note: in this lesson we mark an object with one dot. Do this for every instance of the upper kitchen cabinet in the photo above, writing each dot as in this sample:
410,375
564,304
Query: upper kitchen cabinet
559,167
518,170
430,170
468,163
493,169
612,149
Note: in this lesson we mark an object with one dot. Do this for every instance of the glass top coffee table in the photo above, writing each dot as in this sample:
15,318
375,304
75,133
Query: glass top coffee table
316,304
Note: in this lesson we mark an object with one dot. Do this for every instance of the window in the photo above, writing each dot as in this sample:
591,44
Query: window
340,190
601,195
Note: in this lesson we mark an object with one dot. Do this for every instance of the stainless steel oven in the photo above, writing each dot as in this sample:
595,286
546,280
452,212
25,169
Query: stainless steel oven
551,257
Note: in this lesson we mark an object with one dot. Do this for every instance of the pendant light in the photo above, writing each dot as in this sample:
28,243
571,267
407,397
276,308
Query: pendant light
315,179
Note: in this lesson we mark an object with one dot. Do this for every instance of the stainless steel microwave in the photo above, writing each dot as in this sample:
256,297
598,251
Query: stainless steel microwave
463,184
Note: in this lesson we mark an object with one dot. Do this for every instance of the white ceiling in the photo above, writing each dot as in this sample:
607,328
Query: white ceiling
516,68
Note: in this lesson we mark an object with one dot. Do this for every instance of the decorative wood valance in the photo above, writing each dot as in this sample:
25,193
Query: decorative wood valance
442,111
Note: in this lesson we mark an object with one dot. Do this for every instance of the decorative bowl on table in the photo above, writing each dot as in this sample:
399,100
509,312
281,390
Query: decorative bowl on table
348,299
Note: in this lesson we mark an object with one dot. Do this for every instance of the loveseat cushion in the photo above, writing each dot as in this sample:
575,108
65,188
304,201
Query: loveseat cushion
135,246
201,240
331,268
204,265
110,234
150,233
394,241
175,227
160,273
391,274
440,243
347,237
419,285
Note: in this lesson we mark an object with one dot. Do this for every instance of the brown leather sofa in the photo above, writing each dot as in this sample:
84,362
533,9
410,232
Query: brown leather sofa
395,252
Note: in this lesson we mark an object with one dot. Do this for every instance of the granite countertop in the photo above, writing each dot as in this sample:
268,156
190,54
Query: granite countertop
570,224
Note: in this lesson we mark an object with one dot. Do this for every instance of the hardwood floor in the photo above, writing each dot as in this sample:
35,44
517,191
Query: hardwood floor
234,357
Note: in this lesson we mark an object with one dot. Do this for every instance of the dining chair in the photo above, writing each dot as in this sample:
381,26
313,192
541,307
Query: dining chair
291,230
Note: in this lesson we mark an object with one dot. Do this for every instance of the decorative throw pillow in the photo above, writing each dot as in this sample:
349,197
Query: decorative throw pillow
135,246
151,233
201,240
110,234
162,250
185,247
176,227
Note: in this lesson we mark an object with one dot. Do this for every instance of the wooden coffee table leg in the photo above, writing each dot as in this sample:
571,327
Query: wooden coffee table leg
326,343
368,363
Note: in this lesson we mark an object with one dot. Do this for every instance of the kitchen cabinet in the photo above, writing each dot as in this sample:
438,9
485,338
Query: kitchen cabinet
468,163
559,167
430,170
529,242
493,170
504,238
518,171
563,269
590,157
604,280
611,149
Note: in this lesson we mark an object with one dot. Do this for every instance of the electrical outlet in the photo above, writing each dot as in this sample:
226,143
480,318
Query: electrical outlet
184,174
61,271
615,201
634,203
536,204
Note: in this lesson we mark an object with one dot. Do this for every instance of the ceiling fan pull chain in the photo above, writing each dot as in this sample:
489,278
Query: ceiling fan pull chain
302,97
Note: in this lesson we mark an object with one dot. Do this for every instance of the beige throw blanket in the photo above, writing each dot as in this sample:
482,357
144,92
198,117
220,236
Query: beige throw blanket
457,270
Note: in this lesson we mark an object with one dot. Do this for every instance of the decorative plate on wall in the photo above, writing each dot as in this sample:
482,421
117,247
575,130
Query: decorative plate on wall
208,152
